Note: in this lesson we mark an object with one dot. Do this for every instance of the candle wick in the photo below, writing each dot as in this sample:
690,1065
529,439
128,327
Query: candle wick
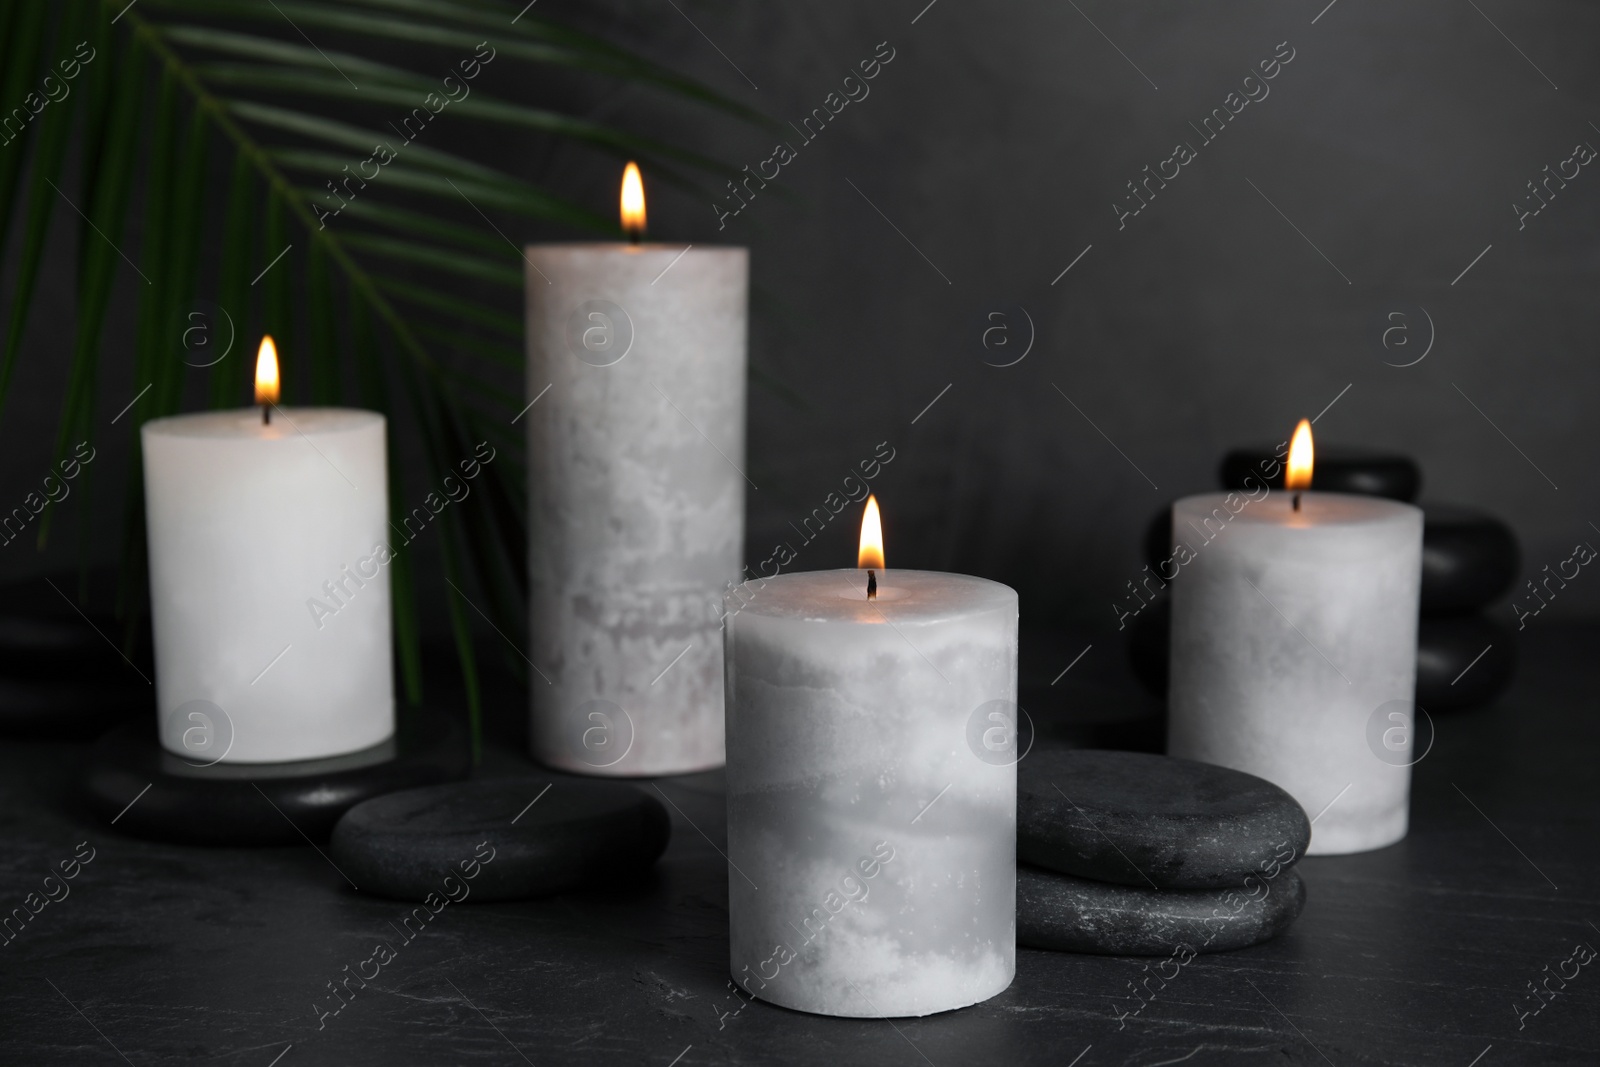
872,586
635,236
266,414
1297,501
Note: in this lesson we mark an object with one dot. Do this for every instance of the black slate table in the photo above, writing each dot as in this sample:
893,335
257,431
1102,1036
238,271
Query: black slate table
1423,953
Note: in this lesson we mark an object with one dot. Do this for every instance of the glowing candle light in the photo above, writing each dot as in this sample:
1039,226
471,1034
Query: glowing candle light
1294,631
268,586
872,788
636,483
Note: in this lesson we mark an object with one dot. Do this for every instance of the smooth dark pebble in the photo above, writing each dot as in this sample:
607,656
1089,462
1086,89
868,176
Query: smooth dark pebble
1067,914
546,836
1469,559
1448,679
1140,820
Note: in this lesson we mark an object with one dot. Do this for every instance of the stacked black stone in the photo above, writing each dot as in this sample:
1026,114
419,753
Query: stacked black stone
1125,853
1469,560
62,672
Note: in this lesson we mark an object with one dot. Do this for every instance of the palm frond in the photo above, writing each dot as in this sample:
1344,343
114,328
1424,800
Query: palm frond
407,303
54,133
540,41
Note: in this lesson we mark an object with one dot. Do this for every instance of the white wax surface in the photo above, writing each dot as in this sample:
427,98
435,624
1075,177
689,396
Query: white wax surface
1289,632
636,500
246,523
848,741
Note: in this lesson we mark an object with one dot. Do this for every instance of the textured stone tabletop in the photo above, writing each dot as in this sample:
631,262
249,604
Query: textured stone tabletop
1423,953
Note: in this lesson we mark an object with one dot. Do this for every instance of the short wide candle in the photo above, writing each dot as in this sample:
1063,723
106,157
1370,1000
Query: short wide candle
251,527
1294,632
871,827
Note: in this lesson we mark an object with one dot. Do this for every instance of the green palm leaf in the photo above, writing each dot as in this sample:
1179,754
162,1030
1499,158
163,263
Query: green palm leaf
56,126
25,29
571,48
396,292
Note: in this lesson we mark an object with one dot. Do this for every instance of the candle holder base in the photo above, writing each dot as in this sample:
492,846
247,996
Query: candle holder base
135,785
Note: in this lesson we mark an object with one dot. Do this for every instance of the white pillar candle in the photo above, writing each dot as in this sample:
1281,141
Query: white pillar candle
636,366
1291,630
248,525
871,798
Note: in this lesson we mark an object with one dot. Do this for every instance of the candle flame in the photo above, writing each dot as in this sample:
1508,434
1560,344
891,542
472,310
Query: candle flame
632,201
1298,475
870,555
267,372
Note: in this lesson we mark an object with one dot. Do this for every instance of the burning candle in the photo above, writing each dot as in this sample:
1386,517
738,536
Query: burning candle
872,783
268,590
1294,647
636,387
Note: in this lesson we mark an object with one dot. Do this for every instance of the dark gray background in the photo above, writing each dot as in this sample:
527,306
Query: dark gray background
996,143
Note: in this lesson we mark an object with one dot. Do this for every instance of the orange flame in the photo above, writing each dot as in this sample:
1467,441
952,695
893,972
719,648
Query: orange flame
632,201
267,372
870,554
1298,475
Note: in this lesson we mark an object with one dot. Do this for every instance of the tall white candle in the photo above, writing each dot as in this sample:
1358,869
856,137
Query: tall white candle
871,800
636,367
248,525
1291,630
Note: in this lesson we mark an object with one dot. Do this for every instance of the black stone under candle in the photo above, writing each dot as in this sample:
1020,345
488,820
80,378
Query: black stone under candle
139,788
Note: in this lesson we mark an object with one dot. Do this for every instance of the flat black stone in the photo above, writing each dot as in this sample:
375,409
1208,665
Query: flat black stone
62,673
545,835
1143,820
1448,646
38,646
72,707
47,632
1469,559
1338,469
1067,914
260,803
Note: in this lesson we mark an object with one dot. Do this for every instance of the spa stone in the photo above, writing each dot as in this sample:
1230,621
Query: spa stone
519,838
1146,820
1067,914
